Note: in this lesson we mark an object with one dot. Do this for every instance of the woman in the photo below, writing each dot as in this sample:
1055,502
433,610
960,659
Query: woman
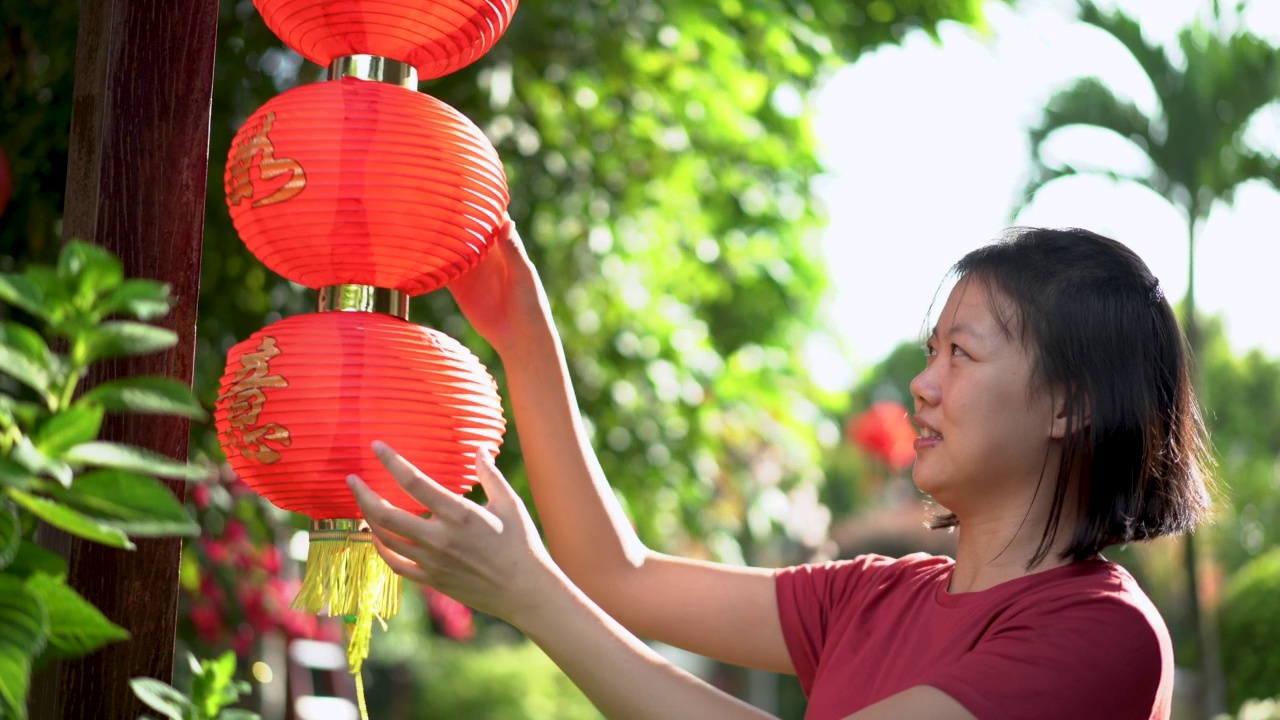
1056,418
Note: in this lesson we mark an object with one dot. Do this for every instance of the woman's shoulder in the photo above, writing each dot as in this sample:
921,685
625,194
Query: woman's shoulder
869,569
1100,592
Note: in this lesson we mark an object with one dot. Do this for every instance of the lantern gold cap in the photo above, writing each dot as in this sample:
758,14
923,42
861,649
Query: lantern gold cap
336,525
373,67
363,298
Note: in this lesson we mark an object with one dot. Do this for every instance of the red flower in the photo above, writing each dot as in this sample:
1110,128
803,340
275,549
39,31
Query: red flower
243,641
208,623
450,617
885,433
210,590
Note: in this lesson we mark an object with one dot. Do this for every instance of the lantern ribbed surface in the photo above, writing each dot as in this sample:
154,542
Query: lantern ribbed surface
436,37
352,182
302,400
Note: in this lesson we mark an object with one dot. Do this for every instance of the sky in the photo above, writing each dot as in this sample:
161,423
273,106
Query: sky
926,152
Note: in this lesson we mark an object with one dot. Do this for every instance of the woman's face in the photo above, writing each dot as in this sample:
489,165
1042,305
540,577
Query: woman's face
984,435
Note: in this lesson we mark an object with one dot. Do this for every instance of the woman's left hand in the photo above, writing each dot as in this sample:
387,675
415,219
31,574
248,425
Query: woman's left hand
488,557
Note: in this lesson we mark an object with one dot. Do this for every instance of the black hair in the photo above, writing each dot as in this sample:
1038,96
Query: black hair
1101,332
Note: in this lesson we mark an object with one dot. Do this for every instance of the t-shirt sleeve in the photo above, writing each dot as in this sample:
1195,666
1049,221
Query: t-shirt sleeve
1074,658
812,599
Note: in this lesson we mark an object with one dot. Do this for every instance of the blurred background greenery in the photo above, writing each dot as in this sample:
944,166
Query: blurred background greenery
663,163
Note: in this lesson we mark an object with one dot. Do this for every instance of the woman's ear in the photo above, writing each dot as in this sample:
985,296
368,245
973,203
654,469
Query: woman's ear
1064,407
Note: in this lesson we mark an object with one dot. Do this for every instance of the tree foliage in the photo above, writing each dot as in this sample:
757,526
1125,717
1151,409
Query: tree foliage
1195,139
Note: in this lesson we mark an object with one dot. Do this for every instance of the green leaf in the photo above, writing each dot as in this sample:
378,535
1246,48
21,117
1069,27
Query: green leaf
214,686
90,269
26,454
31,559
26,413
128,457
20,367
236,714
162,698
71,520
136,504
66,429
140,299
24,629
26,341
14,475
10,533
115,338
22,291
15,681
160,395
76,627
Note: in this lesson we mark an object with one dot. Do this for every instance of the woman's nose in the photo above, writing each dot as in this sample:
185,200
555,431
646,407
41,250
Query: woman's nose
924,388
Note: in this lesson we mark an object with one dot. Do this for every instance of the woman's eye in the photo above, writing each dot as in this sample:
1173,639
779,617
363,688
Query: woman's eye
957,350
929,351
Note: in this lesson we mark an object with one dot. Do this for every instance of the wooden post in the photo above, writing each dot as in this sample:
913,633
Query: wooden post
136,179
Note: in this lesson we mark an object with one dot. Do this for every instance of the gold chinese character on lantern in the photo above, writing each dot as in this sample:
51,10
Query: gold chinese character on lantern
258,145
246,401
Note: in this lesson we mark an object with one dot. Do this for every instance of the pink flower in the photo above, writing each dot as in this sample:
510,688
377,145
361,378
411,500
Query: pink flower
235,531
270,559
200,496
215,550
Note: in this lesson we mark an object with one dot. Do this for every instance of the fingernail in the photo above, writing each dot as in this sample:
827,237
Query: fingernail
381,448
353,480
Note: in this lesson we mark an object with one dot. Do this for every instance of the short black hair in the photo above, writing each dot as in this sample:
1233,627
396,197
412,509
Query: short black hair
1101,331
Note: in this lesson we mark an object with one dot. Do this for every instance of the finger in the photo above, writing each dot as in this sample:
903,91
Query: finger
376,509
420,487
508,240
398,564
496,487
406,549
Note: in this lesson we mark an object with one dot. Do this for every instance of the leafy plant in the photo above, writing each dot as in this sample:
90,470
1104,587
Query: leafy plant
1250,627
53,467
213,688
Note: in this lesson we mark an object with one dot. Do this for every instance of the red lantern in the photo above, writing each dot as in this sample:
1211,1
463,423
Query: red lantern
436,37
364,183
366,190
885,433
303,399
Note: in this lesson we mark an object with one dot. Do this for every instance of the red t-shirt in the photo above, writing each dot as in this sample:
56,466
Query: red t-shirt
1077,641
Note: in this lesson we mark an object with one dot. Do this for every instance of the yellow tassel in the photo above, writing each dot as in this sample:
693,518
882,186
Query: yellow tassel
326,574
375,593
346,576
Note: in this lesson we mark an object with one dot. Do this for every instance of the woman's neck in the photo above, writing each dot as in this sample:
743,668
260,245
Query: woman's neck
996,550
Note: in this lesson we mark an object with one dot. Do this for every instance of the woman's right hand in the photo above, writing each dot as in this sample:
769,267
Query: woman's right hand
502,297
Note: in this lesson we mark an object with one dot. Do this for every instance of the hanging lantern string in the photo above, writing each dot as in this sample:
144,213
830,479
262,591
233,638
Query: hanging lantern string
364,711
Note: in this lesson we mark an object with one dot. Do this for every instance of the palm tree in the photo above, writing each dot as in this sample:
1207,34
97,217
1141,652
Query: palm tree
1198,157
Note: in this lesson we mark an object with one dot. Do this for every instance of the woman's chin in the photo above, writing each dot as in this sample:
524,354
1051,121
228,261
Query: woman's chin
930,484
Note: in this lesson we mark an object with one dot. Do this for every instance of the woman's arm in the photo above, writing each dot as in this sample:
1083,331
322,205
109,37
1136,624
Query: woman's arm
585,528
490,558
